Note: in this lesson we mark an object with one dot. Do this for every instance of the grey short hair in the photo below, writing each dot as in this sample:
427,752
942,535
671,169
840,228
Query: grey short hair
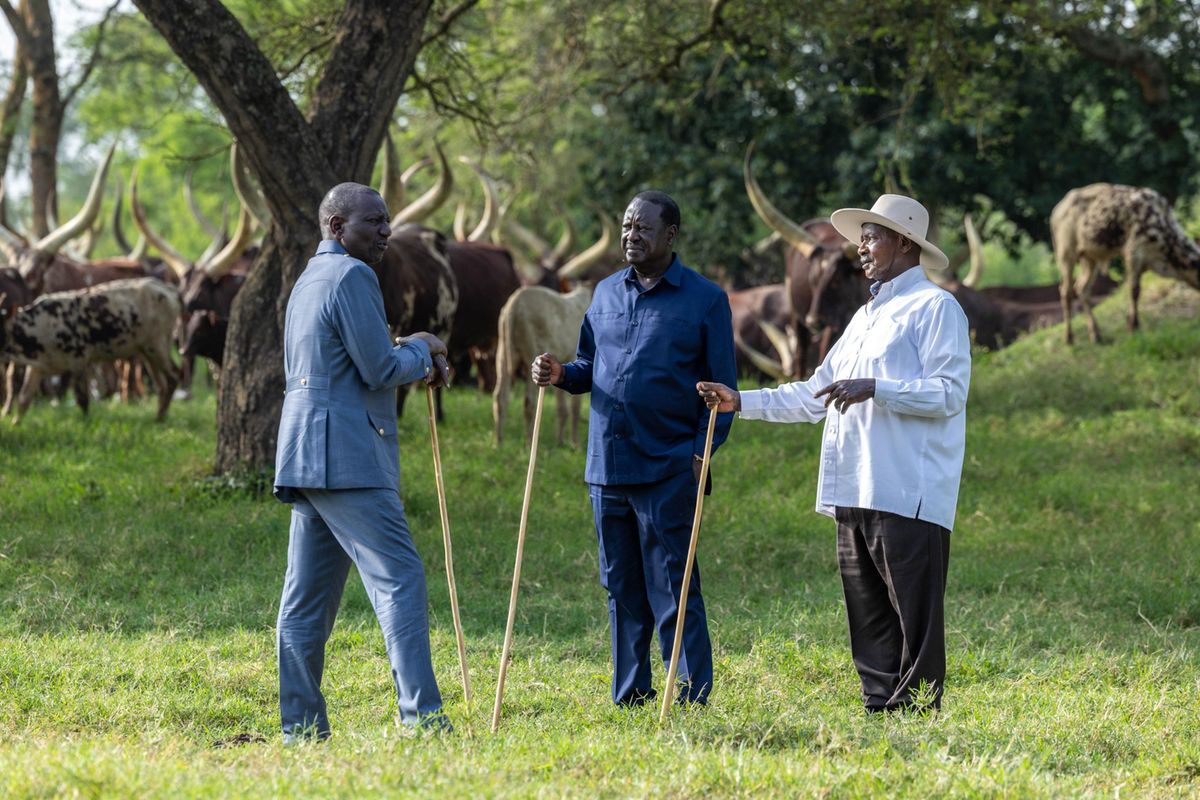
337,203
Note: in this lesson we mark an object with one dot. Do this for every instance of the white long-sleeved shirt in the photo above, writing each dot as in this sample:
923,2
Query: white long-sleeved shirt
903,451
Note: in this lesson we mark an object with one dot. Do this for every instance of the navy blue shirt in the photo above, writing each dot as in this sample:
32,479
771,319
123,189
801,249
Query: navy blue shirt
640,354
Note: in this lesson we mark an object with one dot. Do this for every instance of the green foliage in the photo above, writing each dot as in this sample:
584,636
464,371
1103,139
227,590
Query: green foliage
136,609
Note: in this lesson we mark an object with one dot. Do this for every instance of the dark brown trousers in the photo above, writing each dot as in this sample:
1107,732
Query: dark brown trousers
894,577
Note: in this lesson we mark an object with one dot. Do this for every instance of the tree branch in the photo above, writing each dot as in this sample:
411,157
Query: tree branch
1115,51
93,57
659,71
444,24
15,20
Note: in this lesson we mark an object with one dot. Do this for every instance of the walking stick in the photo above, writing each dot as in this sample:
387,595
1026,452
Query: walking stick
441,490
681,612
516,582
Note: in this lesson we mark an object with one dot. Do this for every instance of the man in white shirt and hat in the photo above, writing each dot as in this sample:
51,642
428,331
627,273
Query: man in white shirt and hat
893,394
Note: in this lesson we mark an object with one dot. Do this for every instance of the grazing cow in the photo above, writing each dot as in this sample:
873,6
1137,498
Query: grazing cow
825,282
1094,224
208,285
537,320
66,331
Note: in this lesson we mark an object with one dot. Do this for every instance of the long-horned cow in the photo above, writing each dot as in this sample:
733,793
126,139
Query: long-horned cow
1096,223
825,283
66,331
486,278
45,269
209,284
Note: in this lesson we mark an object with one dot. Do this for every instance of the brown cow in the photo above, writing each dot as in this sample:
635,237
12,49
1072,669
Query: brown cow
824,279
1094,224
486,278
66,331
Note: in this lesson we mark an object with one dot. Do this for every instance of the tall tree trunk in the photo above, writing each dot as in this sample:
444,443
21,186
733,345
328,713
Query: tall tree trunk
296,160
47,112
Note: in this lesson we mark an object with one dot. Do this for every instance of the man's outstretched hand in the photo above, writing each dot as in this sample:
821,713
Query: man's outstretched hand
845,393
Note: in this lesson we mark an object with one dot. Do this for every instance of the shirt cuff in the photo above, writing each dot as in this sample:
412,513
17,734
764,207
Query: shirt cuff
886,391
752,403
422,352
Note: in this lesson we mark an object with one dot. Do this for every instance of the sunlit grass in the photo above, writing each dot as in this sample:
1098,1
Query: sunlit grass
137,602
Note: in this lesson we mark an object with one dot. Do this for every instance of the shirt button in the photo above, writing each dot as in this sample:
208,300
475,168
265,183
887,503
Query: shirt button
617,406
619,436
628,350
381,431
634,323
304,381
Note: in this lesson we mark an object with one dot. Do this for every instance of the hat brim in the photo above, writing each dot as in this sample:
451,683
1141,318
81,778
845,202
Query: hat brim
849,222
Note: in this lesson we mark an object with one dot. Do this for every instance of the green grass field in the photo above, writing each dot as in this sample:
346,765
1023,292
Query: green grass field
138,598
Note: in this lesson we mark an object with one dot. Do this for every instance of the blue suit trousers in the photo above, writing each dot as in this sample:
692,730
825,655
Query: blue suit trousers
644,530
332,528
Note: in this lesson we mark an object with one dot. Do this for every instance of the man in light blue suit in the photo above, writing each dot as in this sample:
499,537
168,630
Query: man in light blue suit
337,462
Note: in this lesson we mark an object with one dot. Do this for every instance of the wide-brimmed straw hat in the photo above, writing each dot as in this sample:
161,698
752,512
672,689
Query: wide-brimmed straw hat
898,213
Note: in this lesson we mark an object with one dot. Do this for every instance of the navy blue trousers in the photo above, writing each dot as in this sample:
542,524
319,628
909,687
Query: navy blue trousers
332,528
643,531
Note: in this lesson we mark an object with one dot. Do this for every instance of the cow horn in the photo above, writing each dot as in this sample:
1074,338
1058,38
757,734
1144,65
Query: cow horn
432,200
246,191
795,235
566,242
391,185
976,248
525,267
219,239
537,244
118,231
578,266
407,176
86,216
224,260
204,221
178,264
762,361
483,231
460,223
139,248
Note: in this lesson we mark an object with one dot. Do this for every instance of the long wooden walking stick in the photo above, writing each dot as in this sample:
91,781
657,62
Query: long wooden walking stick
516,582
441,492
681,610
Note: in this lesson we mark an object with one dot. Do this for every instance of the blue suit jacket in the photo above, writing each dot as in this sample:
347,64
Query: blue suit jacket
338,429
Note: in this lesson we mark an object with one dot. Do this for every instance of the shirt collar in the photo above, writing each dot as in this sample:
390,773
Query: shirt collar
330,246
673,275
897,285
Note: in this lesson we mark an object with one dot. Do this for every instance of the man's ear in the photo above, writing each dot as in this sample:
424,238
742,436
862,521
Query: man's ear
336,224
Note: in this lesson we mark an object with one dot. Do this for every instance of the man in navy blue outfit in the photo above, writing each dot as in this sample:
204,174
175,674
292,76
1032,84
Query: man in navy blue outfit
337,462
653,330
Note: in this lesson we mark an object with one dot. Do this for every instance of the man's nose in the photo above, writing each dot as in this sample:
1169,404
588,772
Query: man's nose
386,230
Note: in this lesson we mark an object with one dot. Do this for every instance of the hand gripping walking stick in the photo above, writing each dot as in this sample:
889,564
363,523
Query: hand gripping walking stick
441,491
681,609
516,583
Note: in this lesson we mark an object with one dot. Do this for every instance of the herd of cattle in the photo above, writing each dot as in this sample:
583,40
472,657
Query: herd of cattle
500,294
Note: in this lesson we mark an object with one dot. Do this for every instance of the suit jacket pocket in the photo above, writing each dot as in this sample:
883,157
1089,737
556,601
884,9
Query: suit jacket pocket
300,453
387,447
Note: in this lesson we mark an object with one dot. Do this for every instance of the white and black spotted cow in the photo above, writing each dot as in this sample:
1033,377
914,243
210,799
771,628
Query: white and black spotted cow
66,331
1094,224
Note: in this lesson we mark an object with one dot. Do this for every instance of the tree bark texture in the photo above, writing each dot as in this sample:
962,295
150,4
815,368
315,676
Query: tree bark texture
295,160
47,112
